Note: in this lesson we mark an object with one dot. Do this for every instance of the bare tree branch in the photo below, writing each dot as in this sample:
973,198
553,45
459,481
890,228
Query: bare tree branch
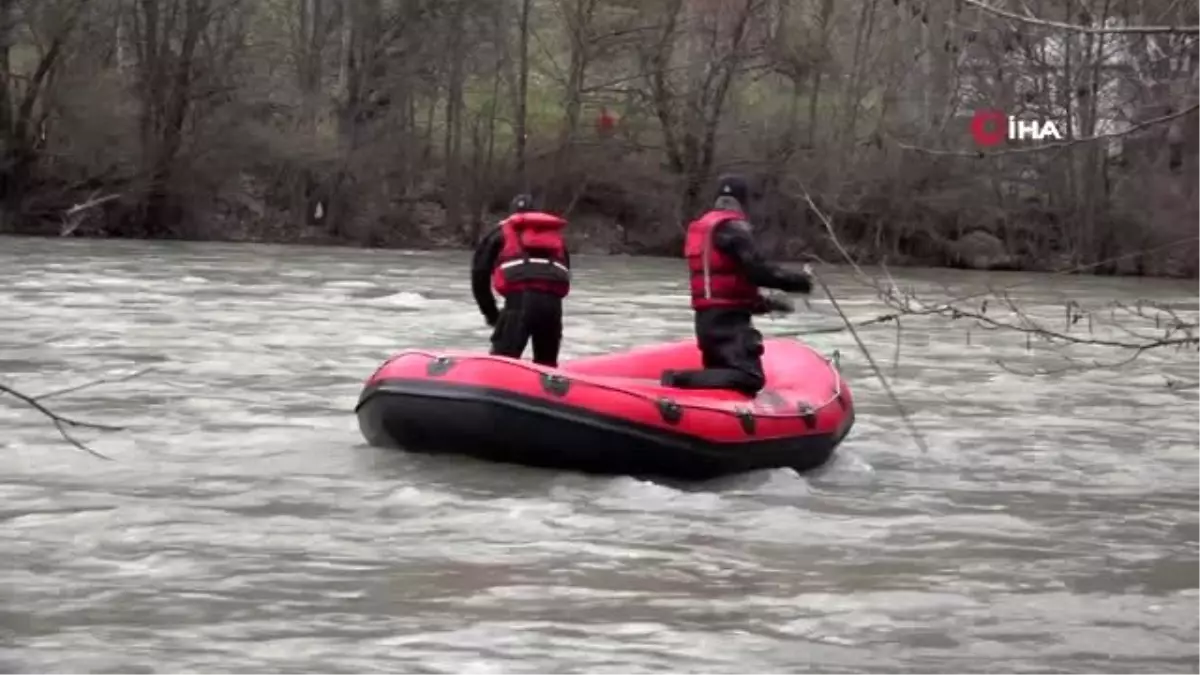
92,383
1173,330
1073,365
62,422
1143,30
850,326
73,217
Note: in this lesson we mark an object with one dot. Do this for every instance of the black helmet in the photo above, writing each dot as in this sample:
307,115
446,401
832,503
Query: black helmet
521,203
733,185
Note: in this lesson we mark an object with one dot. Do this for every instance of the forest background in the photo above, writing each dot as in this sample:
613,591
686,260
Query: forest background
411,123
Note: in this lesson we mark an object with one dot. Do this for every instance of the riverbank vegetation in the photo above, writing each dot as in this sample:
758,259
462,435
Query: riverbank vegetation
412,122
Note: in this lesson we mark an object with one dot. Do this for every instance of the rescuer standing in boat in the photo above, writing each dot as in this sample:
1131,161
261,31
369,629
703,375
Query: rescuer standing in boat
727,271
525,258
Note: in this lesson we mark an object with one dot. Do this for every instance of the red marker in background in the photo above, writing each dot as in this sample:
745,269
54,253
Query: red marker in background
604,122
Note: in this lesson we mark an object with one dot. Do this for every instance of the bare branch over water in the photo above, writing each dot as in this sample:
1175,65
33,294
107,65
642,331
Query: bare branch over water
63,423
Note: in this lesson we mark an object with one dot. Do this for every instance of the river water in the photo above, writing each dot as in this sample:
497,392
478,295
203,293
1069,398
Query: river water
243,525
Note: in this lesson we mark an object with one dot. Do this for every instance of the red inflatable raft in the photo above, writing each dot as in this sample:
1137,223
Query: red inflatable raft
609,414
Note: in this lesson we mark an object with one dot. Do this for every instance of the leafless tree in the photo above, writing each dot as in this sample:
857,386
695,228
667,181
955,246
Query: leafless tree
407,122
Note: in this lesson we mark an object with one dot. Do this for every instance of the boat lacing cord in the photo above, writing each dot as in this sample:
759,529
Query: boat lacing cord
594,381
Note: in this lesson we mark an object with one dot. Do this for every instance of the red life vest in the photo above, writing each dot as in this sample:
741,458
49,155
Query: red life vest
533,255
716,279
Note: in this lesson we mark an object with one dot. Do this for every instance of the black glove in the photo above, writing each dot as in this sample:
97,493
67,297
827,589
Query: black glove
491,319
802,281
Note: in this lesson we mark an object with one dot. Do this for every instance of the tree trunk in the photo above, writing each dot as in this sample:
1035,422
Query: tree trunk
521,126
454,106
578,30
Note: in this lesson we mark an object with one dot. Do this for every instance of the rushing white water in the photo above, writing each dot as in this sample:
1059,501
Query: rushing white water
244,526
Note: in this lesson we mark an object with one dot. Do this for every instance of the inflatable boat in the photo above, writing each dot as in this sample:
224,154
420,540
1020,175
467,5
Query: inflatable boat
610,414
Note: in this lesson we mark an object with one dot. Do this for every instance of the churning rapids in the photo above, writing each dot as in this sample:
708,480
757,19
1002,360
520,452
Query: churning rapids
245,527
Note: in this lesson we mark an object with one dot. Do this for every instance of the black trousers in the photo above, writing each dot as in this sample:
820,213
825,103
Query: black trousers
732,350
530,315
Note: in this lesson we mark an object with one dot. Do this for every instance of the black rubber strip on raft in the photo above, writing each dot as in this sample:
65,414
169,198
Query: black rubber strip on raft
498,425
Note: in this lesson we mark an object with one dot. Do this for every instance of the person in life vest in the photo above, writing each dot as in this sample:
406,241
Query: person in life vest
727,271
526,260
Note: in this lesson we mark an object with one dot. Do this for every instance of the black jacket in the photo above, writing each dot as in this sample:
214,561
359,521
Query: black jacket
483,263
735,238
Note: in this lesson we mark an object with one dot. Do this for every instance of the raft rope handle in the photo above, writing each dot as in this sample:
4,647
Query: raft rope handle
585,379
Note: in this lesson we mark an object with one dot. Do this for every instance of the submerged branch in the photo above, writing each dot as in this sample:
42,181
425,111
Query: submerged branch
1181,385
